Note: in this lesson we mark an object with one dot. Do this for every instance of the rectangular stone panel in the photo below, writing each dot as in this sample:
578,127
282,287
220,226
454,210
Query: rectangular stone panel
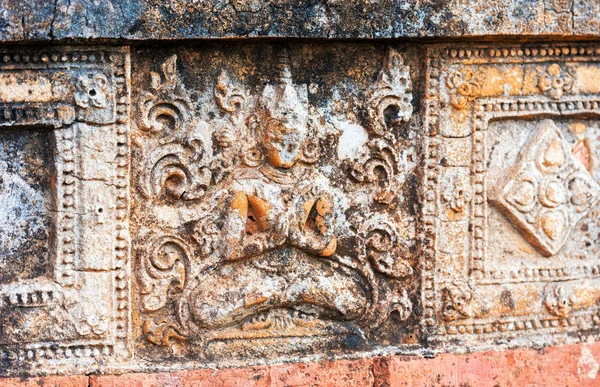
64,165
527,117
274,201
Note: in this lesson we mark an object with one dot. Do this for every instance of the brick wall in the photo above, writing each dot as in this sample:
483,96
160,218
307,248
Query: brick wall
567,365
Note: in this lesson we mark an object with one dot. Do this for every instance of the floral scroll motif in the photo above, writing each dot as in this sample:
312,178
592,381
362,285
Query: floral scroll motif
379,246
378,240
176,172
166,108
389,105
464,87
162,270
178,167
230,98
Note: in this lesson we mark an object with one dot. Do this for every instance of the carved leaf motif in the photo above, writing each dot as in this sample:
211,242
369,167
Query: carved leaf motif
390,100
378,242
162,270
177,172
166,110
229,97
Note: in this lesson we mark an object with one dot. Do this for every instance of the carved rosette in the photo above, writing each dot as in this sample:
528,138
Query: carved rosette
555,81
463,86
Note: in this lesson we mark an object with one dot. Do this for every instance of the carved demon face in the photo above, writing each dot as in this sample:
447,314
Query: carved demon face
284,112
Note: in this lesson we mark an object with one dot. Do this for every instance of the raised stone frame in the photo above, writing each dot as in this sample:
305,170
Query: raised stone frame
476,279
78,313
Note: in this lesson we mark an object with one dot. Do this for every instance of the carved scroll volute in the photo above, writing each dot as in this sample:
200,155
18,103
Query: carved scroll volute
378,242
177,172
378,246
390,100
382,163
230,98
178,168
389,104
162,270
165,109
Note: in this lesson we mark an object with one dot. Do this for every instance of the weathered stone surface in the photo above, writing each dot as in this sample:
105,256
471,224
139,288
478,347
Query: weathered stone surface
65,124
182,19
301,235
244,203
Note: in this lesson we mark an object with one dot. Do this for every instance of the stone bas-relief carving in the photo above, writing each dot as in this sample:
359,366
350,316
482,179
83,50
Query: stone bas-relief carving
252,236
517,262
275,202
64,187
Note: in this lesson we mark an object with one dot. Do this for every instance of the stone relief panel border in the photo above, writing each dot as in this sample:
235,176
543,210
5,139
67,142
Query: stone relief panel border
468,291
81,95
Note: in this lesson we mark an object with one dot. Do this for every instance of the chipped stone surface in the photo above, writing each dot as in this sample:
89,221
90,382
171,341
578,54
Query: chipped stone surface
191,19
222,204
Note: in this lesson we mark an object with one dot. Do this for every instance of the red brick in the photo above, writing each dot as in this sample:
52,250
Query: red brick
251,377
342,373
567,365
48,381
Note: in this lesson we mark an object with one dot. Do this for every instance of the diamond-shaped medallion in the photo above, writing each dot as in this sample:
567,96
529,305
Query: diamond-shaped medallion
547,192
